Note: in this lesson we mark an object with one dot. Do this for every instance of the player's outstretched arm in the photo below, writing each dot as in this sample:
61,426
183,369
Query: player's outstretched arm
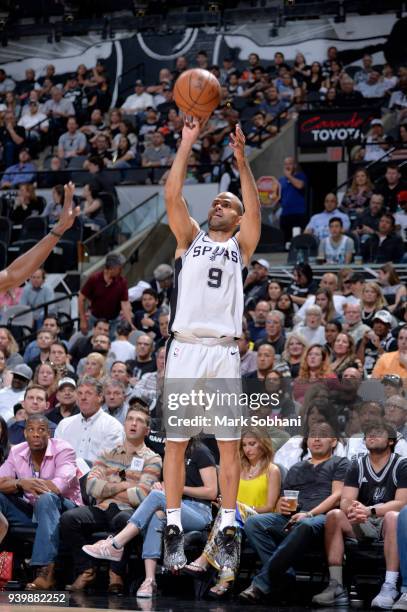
250,224
22,268
182,225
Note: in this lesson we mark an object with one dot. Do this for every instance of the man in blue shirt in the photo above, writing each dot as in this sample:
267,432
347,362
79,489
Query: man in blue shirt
318,225
292,201
23,172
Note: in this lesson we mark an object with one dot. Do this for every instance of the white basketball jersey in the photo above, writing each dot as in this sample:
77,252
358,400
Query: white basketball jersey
207,298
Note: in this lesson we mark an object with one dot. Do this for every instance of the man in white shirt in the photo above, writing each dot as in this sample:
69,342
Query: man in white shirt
353,322
328,281
318,225
9,396
139,101
92,430
34,121
373,87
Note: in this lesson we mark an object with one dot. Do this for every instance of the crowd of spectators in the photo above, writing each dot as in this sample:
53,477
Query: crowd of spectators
335,354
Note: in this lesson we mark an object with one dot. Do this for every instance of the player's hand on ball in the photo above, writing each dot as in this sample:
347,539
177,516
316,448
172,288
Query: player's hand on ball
237,143
192,128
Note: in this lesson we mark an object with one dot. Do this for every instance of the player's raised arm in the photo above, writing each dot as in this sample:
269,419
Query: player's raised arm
26,264
250,224
182,225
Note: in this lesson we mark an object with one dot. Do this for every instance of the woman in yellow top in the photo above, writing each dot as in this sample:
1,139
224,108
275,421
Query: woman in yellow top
259,490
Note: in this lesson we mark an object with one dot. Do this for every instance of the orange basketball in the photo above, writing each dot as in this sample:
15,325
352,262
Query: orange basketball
197,93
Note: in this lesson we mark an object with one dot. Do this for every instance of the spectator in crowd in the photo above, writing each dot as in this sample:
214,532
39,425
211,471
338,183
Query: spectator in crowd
294,349
53,209
73,142
163,321
336,248
362,75
94,365
44,471
23,172
6,83
366,223
200,475
378,341
256,283
107,294
157,153
343,355
260,131
265,363
115,404
374,87
119,481
287,307
5,375
292,201
35,402
257,327
372,301
274,328
385,245
358,196
66,405
312,329
9,346
371,498
150,387
401,216
121,347
272,105
392,288
314,80
36,292
84,345
353,323
162,282
248,357
390,186
394,362
146,319
58,356
28,84
36,124
376,143
315,367
139,101
93,428
144,362
302,285
26,204
290,535
43,342
12,138
318,225
58,109
398,99
121,372
395,413
92,214
9,396
348,96
101,179
274,292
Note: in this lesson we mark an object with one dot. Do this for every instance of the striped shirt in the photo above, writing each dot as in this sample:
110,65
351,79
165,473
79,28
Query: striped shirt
142,469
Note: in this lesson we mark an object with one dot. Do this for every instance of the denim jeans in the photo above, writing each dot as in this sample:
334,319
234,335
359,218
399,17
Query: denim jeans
276,548
402,546
195,515
46,514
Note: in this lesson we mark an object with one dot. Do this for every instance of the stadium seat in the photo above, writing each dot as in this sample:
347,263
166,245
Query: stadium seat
304,246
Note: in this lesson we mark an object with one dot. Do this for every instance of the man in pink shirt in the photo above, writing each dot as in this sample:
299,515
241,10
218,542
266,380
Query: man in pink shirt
38,481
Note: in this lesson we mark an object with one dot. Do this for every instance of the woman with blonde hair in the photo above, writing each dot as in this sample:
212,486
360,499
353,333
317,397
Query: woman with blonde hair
392,287
259,489
294,348
315,367
372,301
344,354
9,347
95,366
359,193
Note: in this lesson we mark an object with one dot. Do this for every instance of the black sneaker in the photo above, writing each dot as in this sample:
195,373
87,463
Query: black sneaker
227,543
174,556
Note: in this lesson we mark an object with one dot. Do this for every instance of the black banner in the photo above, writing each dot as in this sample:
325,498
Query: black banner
327,127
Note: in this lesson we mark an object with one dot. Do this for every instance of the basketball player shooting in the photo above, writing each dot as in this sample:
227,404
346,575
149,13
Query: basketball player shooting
22,267
205,323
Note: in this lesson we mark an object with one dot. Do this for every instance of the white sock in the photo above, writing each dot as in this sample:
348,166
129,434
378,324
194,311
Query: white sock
174,517
336,573
391,578
227,518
